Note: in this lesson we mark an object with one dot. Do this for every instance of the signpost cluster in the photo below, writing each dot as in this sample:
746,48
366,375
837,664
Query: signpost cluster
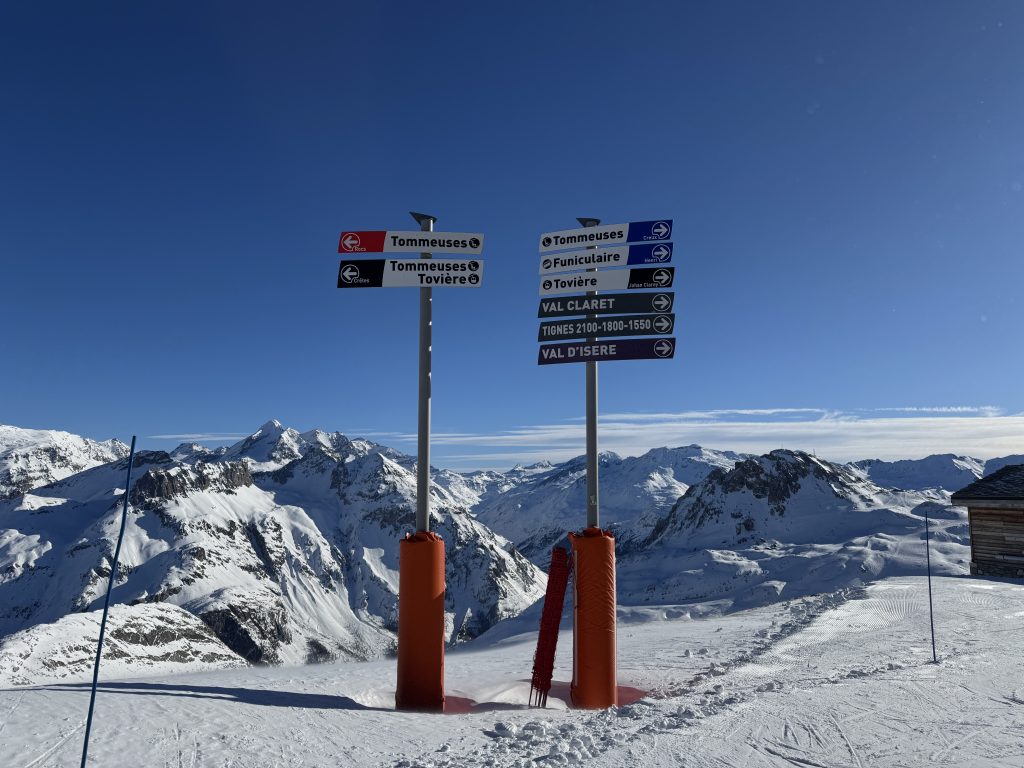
420,684
594,328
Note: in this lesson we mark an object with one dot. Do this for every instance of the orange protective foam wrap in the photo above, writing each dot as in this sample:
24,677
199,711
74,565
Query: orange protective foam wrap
593,620
420,623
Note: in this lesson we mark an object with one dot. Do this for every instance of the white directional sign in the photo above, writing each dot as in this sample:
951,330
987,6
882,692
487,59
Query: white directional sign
607,280
597,258
389,241
608,234
411,273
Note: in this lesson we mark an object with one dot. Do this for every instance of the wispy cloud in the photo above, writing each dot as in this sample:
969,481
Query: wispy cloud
886,433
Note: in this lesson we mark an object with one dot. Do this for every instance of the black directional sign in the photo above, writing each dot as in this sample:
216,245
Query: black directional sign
607,304
621,325
410,273
624,349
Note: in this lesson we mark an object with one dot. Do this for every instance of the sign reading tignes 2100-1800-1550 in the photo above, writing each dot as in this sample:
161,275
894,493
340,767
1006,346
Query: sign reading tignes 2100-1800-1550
390,241
609,234
604,327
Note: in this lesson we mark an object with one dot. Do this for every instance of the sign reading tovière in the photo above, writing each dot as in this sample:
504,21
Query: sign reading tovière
599,351
624,325
410,273
608,280
609,234
618,256
389,241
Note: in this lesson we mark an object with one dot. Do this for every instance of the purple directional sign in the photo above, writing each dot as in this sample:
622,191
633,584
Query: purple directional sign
604,351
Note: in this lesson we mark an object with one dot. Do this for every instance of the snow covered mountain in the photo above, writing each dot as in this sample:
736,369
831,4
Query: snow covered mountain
285,557
535,506
30,458
784,525
944,470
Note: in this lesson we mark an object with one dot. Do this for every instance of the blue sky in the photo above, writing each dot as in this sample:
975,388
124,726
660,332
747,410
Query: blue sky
847,182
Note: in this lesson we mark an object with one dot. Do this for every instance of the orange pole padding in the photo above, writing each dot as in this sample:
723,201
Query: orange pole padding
594,684
420,623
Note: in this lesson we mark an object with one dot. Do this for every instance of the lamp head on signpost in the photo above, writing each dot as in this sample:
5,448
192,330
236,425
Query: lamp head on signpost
425,220
584,221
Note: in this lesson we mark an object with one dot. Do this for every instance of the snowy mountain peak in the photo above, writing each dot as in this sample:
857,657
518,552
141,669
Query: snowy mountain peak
31,458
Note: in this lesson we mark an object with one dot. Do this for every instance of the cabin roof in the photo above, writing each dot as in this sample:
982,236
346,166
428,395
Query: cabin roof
1006,484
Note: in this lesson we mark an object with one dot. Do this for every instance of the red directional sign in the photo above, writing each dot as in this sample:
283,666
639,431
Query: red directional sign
390,241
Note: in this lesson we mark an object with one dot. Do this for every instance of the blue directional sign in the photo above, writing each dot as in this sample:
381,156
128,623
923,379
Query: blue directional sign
643,231
599,258
659,230
650,253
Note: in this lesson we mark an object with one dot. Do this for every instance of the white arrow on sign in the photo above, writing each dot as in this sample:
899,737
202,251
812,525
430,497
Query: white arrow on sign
661,253
663,277
350,273
662,324
350,241
660,229
663,348
662,302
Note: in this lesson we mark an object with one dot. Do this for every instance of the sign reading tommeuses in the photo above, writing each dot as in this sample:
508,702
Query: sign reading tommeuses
410,273
389,241
609,234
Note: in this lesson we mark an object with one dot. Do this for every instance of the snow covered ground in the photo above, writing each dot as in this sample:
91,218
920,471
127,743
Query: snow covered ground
843,679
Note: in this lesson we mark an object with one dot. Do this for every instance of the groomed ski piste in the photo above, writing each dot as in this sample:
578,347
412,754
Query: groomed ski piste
841,679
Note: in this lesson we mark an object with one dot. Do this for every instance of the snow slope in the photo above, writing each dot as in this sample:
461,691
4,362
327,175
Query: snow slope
30,458
837,680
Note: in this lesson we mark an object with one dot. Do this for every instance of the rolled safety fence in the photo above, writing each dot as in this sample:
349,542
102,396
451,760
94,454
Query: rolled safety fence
420,623
594,683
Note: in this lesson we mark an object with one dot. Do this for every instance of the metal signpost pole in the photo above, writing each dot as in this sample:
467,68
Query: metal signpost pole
426,223
593,508
928,558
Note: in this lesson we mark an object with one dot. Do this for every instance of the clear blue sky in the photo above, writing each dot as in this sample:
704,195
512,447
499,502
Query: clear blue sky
847,182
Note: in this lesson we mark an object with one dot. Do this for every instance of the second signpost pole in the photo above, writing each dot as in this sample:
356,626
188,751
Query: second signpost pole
421,555
594,683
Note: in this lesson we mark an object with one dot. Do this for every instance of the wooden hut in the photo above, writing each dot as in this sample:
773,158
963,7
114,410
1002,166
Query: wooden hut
995,509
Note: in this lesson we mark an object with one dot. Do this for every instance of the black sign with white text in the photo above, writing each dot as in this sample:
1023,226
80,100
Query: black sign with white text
607,304
621,325
603,351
